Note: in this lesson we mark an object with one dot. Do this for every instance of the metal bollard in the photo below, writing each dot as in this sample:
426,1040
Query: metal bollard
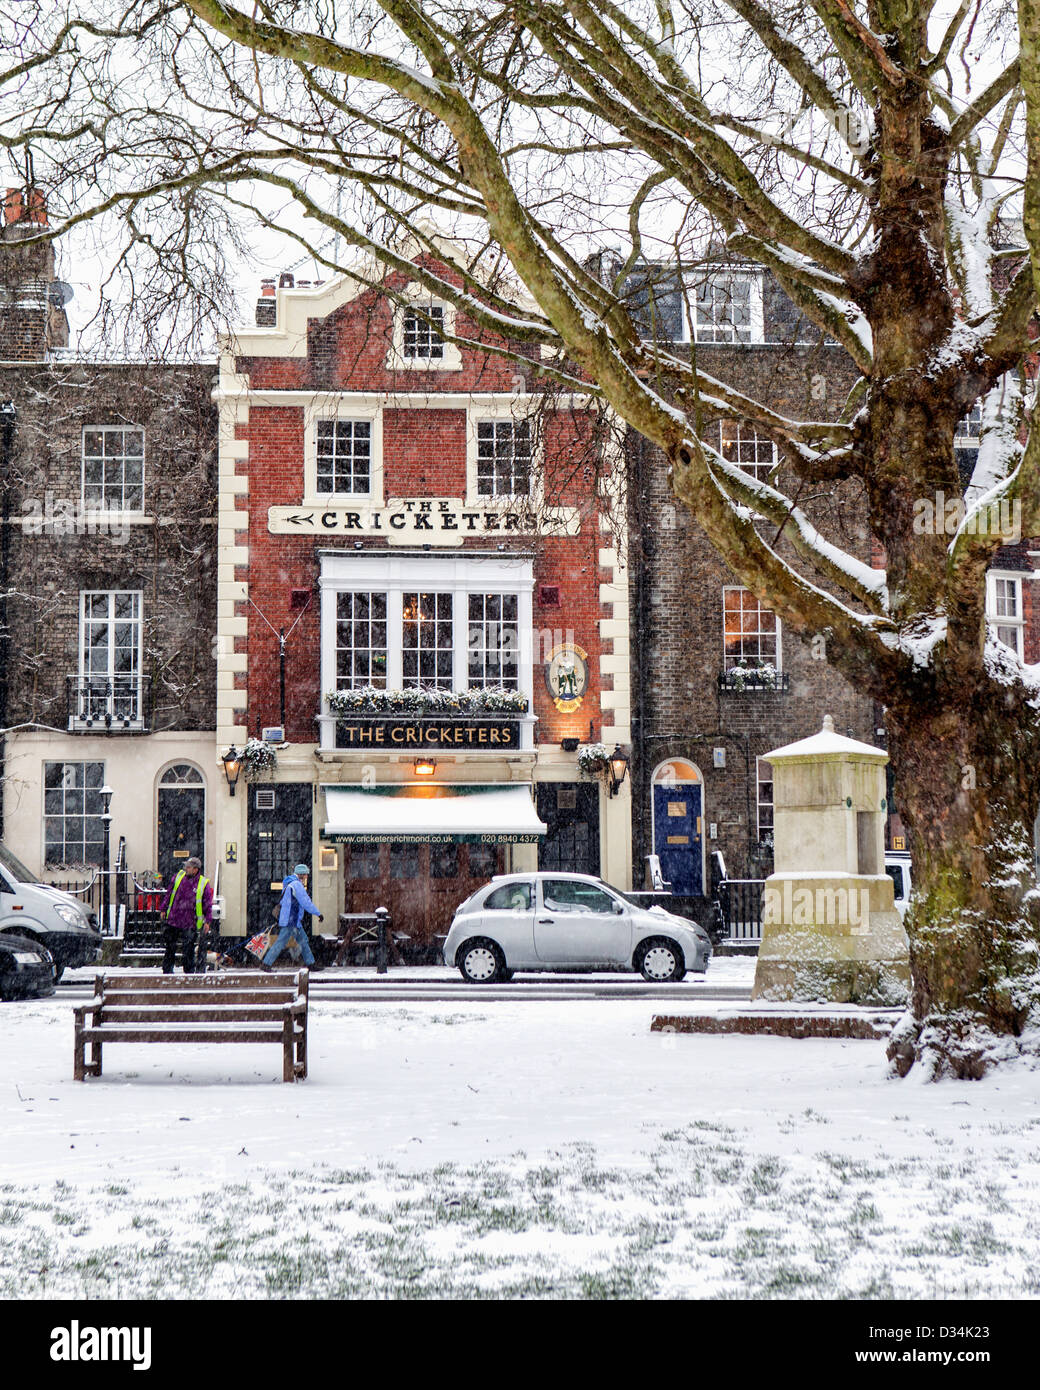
382,939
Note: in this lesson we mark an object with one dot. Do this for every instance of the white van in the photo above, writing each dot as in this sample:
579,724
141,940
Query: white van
44,914
897,866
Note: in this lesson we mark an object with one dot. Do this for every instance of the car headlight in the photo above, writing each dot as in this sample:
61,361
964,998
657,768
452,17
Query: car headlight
68,914
26,957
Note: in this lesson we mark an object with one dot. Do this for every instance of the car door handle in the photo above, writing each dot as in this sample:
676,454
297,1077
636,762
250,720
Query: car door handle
546,921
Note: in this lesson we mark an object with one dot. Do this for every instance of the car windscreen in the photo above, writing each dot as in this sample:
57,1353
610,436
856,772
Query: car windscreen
895,873
15,868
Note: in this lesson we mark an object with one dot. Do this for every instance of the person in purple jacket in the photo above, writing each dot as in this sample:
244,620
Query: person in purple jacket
187,912
295,902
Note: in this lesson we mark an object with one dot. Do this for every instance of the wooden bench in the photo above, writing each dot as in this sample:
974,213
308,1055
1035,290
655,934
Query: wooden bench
222,1008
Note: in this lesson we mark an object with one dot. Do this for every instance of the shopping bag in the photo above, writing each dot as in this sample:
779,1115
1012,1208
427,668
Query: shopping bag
259,945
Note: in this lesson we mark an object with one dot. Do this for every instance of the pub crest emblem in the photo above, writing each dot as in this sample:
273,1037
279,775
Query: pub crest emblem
567,676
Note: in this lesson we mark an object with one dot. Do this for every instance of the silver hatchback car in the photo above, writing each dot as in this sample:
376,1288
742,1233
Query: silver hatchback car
568,922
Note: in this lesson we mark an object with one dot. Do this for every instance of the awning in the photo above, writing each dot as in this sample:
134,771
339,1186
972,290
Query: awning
424,814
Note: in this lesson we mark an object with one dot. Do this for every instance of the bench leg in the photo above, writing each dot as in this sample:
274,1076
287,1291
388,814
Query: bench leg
288,1064
78,1066
301,1052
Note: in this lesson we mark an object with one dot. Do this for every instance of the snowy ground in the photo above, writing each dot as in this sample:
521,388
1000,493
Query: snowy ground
539,1148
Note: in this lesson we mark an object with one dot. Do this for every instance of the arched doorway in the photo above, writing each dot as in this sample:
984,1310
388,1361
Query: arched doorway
677,813
181,818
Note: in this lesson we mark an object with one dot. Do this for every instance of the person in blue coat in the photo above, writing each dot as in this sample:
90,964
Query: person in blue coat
295,902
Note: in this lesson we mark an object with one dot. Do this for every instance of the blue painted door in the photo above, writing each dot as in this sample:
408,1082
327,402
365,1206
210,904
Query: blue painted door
678,831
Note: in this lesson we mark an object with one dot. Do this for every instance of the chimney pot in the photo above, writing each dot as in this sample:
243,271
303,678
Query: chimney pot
285,280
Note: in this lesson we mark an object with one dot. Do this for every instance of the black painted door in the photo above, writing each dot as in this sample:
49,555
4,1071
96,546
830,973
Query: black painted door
279,839
182,828
571,811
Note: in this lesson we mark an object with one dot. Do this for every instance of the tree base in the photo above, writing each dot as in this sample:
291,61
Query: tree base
963,1049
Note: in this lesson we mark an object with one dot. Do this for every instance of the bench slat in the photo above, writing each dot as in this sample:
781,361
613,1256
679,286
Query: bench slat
201,1013
189,1033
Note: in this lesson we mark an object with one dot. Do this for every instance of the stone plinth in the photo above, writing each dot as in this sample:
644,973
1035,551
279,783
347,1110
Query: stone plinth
830,926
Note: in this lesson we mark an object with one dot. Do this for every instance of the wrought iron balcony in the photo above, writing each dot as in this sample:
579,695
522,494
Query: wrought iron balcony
106,704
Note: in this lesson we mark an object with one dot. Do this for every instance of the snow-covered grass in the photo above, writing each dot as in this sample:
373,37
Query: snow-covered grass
509,1149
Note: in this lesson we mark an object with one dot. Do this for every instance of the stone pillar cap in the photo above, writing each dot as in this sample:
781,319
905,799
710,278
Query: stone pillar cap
829,746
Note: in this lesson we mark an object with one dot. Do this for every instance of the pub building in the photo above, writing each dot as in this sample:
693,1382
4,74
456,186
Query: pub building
422,613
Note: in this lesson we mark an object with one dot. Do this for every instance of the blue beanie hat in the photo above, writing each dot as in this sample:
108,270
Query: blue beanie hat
300,870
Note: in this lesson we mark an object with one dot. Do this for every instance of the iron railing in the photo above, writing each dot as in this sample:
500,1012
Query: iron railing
739,902
101,703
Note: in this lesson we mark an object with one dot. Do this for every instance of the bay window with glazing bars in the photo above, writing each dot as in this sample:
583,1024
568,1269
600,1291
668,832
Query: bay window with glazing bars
428,641
361,640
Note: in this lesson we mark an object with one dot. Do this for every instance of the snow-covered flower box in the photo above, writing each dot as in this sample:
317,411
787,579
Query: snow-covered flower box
743,677
423,702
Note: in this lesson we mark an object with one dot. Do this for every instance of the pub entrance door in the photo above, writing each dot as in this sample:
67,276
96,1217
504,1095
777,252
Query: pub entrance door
421,884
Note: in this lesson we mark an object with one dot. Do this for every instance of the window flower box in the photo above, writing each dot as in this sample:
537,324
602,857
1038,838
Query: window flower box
741,678
421,702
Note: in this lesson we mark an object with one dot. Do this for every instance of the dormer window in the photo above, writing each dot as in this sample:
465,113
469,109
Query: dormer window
422,329
725,308
424,332
712,304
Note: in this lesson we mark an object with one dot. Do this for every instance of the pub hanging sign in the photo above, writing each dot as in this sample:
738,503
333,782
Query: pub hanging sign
405,735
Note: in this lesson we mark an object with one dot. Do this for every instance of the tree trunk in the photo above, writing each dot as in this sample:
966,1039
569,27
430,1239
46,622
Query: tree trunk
963,786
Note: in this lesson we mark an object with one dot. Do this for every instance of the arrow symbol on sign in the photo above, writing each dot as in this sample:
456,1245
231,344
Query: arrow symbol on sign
301,517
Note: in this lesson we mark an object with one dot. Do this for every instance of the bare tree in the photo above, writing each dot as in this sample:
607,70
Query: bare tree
871,154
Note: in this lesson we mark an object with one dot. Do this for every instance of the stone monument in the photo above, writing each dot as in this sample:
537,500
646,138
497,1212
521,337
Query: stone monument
830,931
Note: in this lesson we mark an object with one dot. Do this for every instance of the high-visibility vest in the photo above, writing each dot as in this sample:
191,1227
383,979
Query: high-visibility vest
200,920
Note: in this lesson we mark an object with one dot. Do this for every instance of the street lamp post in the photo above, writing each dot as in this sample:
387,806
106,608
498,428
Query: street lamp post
106,831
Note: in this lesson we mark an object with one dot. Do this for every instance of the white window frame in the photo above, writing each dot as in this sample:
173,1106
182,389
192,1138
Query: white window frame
103,507
496,411
45,816
395,575
416,296
747,435
728,662
331,408
756,329
994,579
135,683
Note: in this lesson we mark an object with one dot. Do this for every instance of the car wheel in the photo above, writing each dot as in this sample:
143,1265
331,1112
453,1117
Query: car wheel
480,961
660,960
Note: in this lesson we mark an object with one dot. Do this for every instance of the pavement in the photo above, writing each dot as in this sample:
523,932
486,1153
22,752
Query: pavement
727,979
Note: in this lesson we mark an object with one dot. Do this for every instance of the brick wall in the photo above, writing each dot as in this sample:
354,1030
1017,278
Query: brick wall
676,584
169,556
